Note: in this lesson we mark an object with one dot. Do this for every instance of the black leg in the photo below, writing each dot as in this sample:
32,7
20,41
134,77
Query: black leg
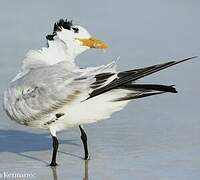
55,149
84,140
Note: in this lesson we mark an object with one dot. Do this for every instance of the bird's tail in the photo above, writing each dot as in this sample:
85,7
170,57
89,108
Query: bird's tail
125,79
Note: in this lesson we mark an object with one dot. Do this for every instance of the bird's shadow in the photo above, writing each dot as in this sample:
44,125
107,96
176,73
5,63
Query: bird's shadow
20,142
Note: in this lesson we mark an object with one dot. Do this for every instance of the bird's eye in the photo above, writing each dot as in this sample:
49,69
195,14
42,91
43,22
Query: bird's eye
76,30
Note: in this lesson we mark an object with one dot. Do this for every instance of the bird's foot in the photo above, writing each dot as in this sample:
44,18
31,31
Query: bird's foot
53,164
87,157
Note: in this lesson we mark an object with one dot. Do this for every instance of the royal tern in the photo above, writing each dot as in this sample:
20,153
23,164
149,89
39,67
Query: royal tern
51,92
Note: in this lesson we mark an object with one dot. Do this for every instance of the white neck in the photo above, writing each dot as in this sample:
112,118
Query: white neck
55,53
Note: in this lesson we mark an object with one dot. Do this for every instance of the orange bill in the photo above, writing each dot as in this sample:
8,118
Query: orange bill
93,43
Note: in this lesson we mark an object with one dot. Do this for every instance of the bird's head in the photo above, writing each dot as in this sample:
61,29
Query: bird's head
76,38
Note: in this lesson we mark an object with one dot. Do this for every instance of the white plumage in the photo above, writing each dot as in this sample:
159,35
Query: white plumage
35,98
52,92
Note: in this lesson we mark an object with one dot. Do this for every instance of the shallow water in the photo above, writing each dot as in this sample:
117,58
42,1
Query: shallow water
152,138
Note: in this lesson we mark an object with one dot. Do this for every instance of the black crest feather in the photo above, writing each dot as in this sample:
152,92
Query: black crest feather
59,25
50,37
62,24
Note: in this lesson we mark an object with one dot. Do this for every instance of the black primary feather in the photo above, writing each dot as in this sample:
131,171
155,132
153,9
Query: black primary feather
137,96
127,77
145,90
149,87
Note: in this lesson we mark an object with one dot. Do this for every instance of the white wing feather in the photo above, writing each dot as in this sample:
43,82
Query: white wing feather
42,92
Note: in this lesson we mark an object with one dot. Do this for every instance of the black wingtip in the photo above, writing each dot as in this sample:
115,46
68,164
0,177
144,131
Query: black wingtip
194,57
187,59
173,89
135,74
